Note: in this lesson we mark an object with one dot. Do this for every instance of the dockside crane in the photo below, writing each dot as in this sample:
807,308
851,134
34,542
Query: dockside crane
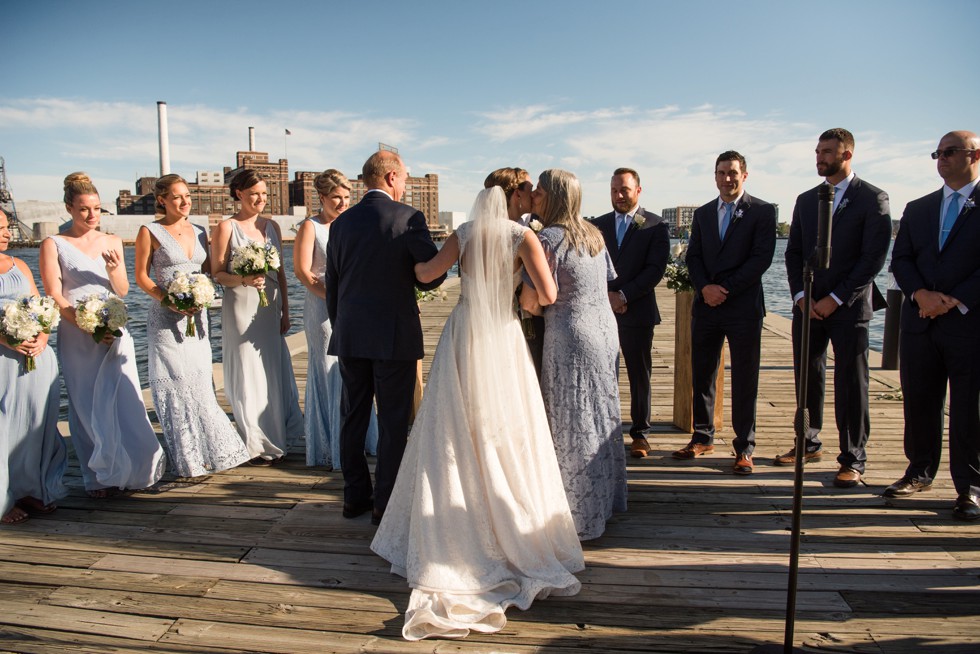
19,231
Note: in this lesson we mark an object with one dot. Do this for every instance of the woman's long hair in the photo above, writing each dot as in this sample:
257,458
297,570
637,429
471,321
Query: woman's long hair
563,206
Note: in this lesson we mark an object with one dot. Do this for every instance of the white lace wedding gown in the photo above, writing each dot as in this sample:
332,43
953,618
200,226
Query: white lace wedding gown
478,519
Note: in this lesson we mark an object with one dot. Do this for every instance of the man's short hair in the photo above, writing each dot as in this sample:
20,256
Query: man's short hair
380,164
841,135
732,155
627,171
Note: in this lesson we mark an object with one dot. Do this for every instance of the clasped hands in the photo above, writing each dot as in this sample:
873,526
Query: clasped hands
29,348
820,309
933,304
617,302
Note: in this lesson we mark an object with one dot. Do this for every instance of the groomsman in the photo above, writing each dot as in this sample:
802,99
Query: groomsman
732,242
377,335
639,244
936,262
842,301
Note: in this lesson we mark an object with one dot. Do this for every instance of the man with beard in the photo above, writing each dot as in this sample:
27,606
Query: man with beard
639,244
842,301
937,264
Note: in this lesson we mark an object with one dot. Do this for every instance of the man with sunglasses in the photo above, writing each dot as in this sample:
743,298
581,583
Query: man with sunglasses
936,262
844,297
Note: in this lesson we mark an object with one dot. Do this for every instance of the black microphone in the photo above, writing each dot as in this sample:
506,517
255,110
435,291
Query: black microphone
825,211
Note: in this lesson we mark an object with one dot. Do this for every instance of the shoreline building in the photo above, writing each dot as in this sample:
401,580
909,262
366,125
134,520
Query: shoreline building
679,219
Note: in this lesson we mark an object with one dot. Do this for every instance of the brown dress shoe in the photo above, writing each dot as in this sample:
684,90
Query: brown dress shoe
789,459
847,478
967,507
743,465
905,487
640,448
693,450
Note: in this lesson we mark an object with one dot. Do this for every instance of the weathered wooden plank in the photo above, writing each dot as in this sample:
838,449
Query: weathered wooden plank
93,622
169,584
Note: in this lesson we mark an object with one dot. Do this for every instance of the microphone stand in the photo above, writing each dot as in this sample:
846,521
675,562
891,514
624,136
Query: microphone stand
818,260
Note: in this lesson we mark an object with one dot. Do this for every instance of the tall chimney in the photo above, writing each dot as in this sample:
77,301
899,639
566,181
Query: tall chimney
251,139
164,138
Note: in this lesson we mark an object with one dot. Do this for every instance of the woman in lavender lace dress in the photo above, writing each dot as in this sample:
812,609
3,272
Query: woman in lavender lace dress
578,376
197,434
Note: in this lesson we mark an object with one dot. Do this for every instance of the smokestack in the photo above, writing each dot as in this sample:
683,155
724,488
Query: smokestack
164,138
251,139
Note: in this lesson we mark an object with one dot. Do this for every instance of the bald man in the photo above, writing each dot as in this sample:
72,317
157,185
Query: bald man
936,261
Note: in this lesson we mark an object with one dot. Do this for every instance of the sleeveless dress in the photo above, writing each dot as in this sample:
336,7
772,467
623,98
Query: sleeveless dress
197,434
580,385
258,370
33,455
323,382
110,431
478,520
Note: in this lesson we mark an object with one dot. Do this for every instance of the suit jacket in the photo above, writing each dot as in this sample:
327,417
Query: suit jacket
640,264
918,263
738,262
861,231
370,279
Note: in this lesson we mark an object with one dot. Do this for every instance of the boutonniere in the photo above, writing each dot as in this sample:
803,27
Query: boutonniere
535,225
738,214
639,220
969,204
843,203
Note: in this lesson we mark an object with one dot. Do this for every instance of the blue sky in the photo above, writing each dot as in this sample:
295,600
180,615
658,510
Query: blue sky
462,88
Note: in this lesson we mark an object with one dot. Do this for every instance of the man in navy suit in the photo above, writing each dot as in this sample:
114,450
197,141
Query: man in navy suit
377,335
936,262
732,242
639,244
842,300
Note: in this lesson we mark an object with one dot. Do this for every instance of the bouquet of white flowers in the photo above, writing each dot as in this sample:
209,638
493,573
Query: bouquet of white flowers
100,314
428,296
187,291
27,317
254,258
678,277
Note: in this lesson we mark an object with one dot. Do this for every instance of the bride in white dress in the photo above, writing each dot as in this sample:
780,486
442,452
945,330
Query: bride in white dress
478,520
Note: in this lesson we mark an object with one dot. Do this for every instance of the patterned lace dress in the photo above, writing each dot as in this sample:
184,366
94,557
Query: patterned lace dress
197,434
580,385
478,520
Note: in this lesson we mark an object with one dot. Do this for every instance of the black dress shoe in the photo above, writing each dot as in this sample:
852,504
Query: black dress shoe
967,507
376,517
354,510
905,487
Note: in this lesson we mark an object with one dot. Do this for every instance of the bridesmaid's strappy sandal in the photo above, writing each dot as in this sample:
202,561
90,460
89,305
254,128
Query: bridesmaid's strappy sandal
34,505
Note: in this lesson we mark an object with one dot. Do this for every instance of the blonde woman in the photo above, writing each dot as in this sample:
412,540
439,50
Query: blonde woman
112,436
323,382
578,376
197,434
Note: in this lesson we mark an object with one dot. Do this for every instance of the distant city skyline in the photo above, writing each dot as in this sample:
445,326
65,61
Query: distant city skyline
462,90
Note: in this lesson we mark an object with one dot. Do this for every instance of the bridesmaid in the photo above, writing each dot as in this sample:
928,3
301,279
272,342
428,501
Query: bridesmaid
258,371
197,434
33,456
113,440
323,383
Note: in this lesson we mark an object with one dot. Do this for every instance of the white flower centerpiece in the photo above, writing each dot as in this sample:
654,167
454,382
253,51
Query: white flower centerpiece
678,277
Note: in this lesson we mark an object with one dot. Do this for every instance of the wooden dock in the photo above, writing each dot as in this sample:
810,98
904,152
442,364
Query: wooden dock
260,559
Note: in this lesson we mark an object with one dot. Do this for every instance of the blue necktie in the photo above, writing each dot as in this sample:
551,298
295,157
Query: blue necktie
621,230
726,221
952,211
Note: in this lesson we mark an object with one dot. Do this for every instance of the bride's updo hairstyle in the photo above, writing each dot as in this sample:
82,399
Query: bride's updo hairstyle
328,180
243,180
509,179
78,184
162,187
562,206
